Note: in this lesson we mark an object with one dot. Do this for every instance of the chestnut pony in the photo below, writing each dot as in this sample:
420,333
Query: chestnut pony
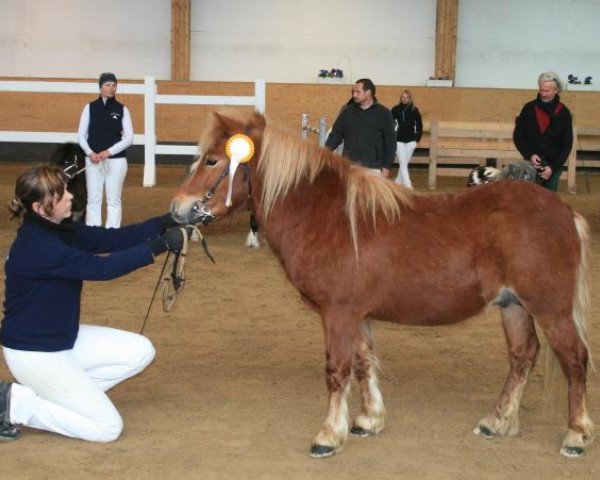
346,238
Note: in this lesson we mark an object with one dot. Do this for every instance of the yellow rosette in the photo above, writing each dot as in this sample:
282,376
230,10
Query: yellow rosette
240,149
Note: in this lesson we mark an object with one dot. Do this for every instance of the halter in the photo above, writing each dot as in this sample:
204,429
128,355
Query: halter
68,170
202,212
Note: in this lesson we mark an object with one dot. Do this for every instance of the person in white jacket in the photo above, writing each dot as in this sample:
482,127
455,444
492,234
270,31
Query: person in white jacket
105,133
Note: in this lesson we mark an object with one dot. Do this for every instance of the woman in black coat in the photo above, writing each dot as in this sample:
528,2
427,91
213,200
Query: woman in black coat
408,134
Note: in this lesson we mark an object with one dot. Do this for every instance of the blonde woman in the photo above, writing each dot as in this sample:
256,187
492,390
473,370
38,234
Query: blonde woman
408,134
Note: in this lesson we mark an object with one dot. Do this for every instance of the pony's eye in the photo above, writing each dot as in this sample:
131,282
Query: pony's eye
211,162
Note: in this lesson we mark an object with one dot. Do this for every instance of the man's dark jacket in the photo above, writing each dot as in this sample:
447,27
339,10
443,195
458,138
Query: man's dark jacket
545,129
368,135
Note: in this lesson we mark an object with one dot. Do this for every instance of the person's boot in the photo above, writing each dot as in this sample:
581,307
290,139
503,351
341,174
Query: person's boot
8,431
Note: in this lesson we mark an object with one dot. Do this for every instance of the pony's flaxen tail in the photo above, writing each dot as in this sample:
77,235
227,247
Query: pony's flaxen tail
581,307
555,385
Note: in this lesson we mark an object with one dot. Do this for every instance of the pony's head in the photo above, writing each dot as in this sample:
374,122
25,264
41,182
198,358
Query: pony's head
218,181
70,157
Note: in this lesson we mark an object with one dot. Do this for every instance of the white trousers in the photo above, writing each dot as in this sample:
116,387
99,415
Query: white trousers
404,152
63,392
109,174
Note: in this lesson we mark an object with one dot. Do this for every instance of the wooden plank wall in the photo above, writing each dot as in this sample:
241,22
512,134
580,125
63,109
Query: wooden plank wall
285,105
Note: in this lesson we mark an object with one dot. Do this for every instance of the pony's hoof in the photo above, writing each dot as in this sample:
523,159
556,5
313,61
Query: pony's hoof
484,432
572,452
252,240
361,432
321,451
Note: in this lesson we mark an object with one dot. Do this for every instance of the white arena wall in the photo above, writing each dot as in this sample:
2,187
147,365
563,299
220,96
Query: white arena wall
499,45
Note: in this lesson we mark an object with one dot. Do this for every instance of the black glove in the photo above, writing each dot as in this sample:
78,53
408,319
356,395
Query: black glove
171,240
165,221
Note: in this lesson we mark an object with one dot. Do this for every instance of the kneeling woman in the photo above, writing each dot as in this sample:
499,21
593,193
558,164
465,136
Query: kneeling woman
63,369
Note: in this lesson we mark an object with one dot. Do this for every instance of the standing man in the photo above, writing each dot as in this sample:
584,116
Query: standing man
367,129
105,133
544,131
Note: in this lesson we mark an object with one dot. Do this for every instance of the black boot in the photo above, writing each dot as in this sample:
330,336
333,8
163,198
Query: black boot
8,431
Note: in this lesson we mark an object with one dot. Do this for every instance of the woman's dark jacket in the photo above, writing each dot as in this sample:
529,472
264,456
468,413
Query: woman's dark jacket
45,269
410,124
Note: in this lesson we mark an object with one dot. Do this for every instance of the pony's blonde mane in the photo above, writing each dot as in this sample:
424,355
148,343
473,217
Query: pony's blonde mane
285,160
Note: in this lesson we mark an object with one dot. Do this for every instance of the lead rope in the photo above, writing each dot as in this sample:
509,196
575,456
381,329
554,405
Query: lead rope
174,279
172,274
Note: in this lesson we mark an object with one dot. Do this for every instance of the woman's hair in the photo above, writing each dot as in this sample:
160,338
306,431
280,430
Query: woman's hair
551,77
37,184
409,95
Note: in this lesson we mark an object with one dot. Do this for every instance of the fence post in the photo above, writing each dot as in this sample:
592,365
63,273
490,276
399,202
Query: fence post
322,131
572,164
433,148
149,132
303,125
260,95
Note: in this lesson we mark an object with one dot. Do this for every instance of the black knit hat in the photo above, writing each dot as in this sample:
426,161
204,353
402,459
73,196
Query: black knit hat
107,77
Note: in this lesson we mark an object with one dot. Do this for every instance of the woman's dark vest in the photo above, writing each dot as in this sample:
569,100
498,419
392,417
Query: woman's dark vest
106,125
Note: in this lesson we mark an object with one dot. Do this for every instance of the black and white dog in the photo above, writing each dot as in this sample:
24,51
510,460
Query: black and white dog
520,170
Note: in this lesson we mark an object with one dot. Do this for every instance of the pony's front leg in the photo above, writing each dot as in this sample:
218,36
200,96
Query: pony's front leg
339,351
371,419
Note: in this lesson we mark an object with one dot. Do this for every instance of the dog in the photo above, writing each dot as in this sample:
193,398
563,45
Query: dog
521,170
481,175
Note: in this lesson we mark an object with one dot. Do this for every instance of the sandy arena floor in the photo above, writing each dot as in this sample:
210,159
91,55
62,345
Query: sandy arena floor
237,390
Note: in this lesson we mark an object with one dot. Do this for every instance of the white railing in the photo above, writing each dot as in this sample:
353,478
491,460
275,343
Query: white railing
151,98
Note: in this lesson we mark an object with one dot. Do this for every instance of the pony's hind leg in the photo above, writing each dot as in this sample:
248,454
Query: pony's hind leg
572,354
340,334
523,349
371,419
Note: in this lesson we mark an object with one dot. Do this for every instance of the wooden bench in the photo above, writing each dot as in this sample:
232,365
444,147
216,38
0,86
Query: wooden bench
472,144
586,139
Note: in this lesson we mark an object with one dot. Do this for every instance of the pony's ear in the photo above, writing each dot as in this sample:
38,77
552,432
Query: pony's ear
230,126
257,121
239,122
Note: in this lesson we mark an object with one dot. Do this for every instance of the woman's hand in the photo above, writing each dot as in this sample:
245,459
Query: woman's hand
95,158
